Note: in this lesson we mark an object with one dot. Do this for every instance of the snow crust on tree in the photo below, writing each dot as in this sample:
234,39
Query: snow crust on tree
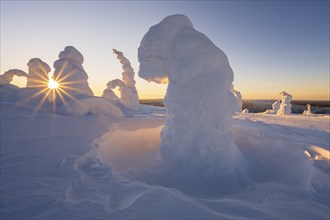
199,100
285,107
308,111
70,73
238,99
7,77
93,105
128,94
38,74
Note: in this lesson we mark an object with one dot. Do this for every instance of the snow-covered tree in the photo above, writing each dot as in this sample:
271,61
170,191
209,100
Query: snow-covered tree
38,74
128,94
285,107
199,101
308,111
70,74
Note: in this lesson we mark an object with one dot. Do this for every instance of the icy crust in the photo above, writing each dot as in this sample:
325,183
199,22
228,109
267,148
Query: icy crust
91,105
128,94
199,100
70,74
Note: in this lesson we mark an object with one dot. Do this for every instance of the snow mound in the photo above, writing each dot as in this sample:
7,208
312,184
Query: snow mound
70,74
91,105
198,99
7,90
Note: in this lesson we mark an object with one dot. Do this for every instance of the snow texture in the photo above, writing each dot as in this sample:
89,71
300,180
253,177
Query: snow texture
38,76
199,100
238,102
308,111
99,167
285,107
91,105
128,94
7,77
70,74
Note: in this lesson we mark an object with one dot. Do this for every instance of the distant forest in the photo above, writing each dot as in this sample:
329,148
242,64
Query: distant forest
255,106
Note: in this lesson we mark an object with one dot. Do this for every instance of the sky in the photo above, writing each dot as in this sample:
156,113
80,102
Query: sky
271,45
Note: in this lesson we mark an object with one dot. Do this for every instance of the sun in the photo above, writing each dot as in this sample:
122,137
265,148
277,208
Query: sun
52,84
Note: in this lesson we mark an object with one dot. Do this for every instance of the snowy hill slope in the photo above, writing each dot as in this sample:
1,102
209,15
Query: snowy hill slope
54,166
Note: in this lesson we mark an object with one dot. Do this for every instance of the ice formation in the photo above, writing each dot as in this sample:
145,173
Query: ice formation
199,100
285,107
308,111
38,74
128,94
70,74
7,77
275,108
93,105
238,102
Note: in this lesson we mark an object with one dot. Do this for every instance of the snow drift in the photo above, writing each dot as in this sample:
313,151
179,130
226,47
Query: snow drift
199,101
91,105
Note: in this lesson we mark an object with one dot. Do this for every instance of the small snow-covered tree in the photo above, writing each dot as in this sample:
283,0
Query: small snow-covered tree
128,94
308,111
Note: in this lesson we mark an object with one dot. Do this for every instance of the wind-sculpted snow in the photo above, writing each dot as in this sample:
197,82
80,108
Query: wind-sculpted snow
7,77
128,93
70,74
103,168
199,100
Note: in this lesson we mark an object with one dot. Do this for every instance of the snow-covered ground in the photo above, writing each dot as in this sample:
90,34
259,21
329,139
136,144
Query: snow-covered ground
62,167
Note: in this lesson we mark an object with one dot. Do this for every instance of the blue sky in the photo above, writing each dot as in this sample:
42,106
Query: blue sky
271,45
